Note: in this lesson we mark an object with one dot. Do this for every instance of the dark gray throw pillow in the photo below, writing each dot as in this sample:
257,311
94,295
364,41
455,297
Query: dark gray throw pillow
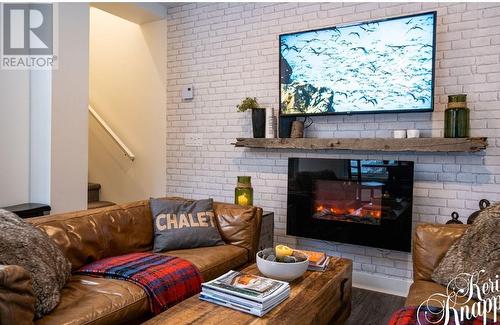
477,250
182,224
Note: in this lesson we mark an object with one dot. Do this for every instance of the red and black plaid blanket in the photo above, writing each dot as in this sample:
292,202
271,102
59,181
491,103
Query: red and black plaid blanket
430,316
167,280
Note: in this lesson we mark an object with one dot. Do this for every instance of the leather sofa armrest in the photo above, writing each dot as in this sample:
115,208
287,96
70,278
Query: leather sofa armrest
17,300
239,226
430,244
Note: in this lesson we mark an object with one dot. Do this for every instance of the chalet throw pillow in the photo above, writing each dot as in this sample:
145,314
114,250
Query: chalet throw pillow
478,249
27,246
182,224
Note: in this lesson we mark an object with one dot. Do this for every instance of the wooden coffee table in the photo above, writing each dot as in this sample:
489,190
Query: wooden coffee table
315,298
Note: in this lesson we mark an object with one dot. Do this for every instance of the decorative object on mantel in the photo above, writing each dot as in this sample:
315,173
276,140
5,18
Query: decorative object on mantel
298,128
285,126
456,117
454,219
270,123
483,204
413,134
258,116
243,193
369,144
399,134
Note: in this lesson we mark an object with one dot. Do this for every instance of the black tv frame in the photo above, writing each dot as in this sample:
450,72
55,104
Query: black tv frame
434,13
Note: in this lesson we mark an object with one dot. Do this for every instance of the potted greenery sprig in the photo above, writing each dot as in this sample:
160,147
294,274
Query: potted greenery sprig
258,116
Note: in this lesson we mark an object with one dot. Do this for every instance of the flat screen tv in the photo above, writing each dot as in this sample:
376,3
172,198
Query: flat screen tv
371,67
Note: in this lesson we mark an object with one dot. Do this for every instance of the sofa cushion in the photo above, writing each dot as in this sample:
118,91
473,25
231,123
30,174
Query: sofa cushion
421,290
182,224
430,243
94,300
213,261
87,236
476,252
17,299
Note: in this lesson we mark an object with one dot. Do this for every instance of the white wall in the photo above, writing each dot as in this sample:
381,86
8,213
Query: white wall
127,88
69,124
40,136
14,137
43,123
229,51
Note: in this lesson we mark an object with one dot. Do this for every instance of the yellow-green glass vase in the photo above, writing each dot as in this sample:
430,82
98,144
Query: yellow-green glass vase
243,193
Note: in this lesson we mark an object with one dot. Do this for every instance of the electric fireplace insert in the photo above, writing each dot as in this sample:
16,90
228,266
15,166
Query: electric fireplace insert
355,201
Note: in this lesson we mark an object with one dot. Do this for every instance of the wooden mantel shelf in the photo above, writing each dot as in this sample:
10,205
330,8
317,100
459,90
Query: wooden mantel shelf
369,144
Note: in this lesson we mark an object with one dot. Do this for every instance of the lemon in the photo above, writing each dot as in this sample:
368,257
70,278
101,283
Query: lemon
282,250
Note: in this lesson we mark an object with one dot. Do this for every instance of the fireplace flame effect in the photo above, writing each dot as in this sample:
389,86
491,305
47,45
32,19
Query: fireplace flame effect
364,211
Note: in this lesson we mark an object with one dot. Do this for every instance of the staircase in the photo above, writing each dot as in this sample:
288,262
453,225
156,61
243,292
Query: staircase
93,201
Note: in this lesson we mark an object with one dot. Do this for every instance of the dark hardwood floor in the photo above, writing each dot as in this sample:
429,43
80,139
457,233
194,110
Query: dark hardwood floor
372,308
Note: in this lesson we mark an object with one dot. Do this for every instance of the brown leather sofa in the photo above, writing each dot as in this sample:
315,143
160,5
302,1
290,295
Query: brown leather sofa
430,244
90,235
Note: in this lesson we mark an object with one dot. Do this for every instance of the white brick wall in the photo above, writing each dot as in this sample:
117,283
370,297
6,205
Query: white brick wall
230,51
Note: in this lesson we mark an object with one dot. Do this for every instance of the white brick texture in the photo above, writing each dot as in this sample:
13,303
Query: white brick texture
230,50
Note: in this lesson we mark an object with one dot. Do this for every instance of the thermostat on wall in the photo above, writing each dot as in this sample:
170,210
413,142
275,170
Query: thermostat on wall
187,92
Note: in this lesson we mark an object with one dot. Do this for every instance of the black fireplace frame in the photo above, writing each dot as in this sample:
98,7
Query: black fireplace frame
393,234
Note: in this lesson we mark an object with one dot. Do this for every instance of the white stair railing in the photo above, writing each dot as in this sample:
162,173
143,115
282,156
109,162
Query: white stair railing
112,134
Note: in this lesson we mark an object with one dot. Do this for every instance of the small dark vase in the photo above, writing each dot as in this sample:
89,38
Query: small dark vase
259,122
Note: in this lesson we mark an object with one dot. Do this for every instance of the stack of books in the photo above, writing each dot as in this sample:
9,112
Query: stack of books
318,261
248,293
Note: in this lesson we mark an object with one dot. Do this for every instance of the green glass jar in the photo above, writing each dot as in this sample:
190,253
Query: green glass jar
457,117
243,193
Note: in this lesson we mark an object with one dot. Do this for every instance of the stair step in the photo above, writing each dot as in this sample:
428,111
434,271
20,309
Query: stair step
93,192
99,204
93,186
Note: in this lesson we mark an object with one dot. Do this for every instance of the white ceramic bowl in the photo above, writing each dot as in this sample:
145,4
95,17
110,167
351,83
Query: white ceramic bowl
281,271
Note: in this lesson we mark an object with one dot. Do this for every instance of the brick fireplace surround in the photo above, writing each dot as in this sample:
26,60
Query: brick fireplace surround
230,51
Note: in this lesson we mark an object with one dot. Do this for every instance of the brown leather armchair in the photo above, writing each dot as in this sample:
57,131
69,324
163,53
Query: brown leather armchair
86,236
430,244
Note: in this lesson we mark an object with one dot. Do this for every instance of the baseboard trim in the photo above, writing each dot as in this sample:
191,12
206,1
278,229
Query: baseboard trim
375,282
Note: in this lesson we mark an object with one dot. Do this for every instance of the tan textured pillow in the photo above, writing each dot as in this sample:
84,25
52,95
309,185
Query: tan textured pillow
478,249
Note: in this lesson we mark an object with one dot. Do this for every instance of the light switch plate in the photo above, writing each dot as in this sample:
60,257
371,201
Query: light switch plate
187,92
193,140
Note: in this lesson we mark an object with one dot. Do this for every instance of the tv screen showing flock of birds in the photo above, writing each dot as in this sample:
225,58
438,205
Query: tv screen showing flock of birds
370,67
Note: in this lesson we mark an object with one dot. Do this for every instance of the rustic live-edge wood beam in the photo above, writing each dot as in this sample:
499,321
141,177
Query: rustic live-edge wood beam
369,144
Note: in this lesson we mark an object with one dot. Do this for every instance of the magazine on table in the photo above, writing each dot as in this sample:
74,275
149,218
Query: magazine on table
240,306
318,261
320,267
246,302
245,292
314,257
248,286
